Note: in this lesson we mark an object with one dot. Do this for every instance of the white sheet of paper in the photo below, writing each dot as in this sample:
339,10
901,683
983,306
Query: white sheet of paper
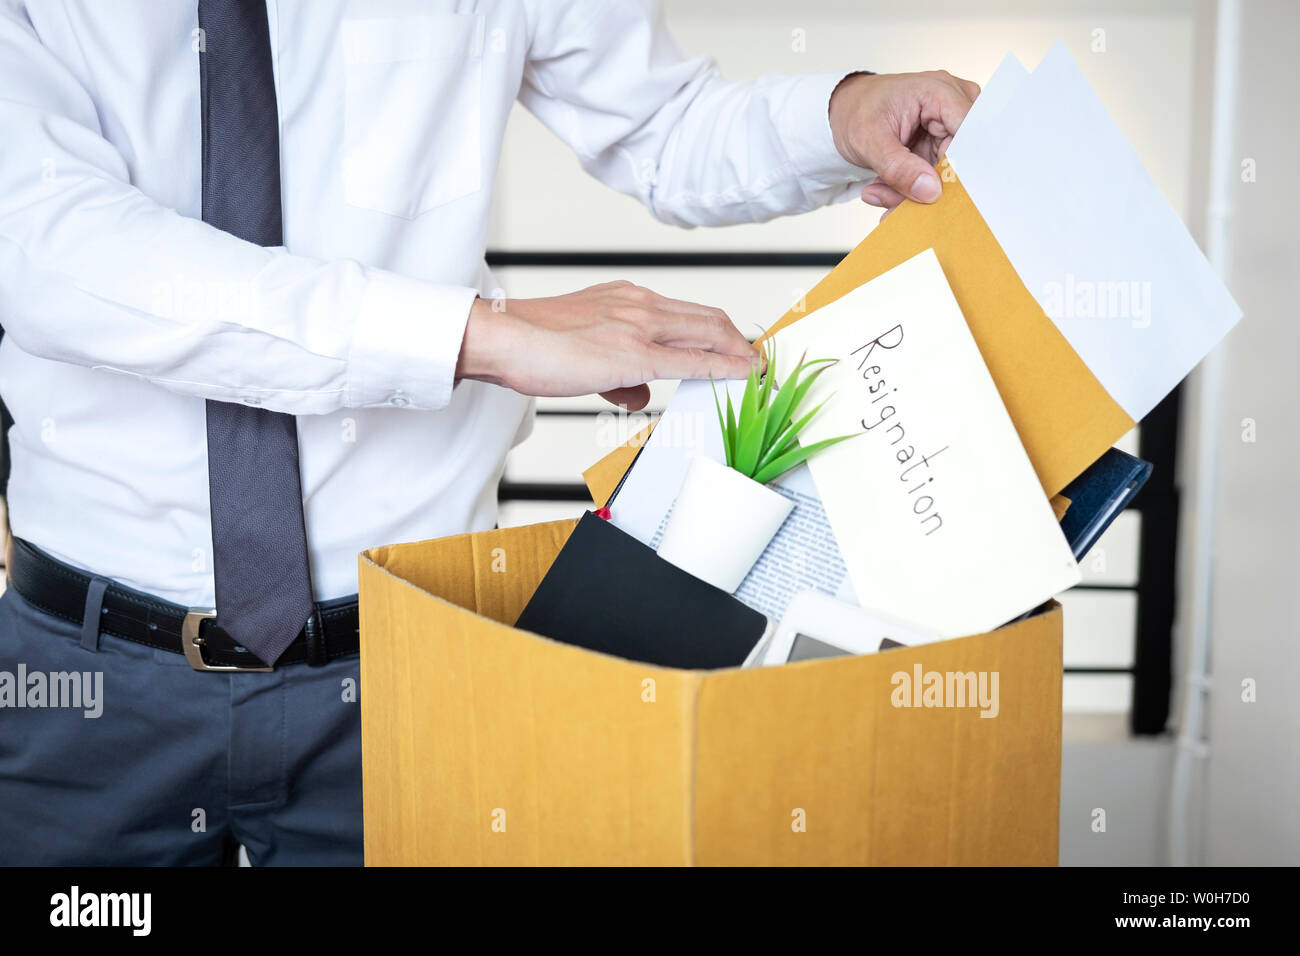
803,556
687,426
939,515
1091,236
994,95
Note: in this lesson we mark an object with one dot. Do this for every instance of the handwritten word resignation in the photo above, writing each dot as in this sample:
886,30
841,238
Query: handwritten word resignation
885,417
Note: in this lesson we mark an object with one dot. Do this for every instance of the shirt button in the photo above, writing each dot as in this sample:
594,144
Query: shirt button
252,400
399,400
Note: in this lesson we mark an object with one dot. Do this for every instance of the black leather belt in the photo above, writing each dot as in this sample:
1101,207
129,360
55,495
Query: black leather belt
60,590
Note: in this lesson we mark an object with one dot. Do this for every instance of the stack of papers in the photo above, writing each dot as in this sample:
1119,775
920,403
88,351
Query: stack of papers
991,347
1085,293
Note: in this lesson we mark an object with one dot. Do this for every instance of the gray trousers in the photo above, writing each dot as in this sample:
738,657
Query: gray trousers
121,754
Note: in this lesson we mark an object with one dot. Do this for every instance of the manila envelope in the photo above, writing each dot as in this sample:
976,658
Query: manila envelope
1064,416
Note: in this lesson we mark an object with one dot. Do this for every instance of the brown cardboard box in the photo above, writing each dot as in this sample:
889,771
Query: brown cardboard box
484,744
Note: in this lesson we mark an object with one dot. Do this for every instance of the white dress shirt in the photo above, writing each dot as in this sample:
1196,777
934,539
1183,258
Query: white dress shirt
123,311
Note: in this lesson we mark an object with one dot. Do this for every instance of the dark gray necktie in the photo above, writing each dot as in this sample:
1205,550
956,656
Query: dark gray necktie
259,539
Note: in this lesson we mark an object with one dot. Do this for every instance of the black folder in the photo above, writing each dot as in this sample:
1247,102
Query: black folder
1098,496
610,593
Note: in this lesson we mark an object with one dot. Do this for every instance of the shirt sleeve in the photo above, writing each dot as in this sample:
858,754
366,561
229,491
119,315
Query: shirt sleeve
95,273
607,78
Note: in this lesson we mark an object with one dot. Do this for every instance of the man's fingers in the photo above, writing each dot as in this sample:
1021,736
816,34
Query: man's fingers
946,103
907,173
634,398
683,306
878,194
682,324
711,330
940,101
940,107
710,326
671,363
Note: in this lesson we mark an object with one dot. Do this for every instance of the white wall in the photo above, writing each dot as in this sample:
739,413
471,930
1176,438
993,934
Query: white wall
1143,77
1251,805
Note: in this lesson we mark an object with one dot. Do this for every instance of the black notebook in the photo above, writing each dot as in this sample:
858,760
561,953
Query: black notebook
610,593
1098,495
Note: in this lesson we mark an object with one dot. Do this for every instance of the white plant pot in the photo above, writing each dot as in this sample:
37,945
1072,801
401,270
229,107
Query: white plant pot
720,523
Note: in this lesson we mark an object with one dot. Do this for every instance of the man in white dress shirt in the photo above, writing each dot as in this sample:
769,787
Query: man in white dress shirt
127,313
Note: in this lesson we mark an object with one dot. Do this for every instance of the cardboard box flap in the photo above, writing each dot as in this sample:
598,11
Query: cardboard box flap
507,566
602,478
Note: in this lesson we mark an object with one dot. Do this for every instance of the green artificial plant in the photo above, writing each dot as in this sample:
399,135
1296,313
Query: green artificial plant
762,440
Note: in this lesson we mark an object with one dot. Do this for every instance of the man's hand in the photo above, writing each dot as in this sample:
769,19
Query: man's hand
899,125
611,338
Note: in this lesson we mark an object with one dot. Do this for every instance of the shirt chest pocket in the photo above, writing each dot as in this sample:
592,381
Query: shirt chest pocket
411,111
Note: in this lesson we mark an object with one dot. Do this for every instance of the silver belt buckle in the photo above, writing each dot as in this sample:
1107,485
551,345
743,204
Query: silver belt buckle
192,644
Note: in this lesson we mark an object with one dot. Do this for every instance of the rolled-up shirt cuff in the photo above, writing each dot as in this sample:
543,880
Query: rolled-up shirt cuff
804,124
407,342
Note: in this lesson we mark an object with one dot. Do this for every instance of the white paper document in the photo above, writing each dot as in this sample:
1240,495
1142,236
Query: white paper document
939,516
1088,232
993,96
